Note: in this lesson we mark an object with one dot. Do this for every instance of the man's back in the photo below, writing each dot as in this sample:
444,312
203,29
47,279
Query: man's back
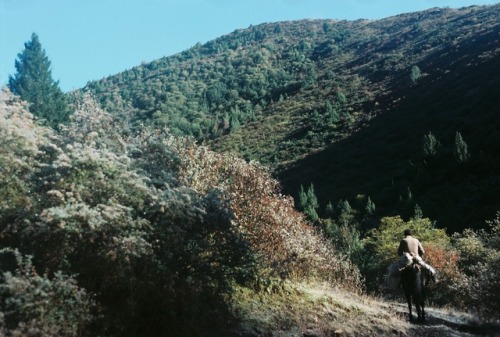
411,245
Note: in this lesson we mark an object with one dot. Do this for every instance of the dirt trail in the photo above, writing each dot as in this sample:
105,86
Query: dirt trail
318,310
446,322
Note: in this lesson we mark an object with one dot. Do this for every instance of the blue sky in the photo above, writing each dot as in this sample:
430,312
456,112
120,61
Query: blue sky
91,39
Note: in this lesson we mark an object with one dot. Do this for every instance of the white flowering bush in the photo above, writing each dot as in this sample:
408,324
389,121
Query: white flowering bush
479,252
155,228
36,305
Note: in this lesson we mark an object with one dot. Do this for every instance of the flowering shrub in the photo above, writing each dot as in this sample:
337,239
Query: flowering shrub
19,138
284,244
479,253
34,305
156,228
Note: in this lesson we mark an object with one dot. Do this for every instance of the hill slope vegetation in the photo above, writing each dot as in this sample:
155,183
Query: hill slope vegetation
113,235
113,225
345,105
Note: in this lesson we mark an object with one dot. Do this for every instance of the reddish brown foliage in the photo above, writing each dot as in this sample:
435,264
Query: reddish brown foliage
285,244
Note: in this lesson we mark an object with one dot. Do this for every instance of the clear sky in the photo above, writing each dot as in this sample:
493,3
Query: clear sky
91,39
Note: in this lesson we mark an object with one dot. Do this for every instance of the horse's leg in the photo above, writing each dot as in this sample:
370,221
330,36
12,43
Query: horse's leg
423,310
416,298
419,308
408,300
423,297
420,297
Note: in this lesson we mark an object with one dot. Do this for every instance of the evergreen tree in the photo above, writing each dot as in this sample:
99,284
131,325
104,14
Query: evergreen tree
418,214
302,198
345,212
344,207
234,120
331,113
341,99
415,74
308,202
329,210
460,150
33,83
370,206
226,120
311,198
430,146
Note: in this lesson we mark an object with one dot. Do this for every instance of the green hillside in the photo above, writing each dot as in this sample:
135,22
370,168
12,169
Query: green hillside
104,233
342,104
114,225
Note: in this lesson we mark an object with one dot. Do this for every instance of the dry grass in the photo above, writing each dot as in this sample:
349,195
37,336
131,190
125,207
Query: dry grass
313,309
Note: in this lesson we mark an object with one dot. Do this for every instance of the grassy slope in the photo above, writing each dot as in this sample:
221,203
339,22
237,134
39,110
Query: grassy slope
311,309
372,156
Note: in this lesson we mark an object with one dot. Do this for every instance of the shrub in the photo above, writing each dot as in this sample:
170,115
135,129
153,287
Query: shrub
445,261
156,227
382,245
479,253
34,305
19,138
281,239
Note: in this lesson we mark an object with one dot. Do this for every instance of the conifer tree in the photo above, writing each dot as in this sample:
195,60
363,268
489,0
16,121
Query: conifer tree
430,146
302,198
312,199
308,202
370,206
415,74
460,150
234,120
418,214
345,212
33,83
329,209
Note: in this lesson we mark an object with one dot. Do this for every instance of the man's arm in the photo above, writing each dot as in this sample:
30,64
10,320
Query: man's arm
400,248
421,250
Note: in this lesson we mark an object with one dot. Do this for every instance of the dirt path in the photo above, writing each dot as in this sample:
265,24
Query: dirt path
318,310
380,316
445,322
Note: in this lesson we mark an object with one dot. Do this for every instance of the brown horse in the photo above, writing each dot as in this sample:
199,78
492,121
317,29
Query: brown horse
415,280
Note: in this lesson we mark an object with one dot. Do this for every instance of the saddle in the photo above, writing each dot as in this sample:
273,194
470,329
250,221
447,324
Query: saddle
407,260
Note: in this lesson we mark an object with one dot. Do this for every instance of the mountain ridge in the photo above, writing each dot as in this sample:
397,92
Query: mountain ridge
279,92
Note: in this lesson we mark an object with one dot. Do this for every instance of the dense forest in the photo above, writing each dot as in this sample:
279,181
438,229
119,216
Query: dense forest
344,105
258,184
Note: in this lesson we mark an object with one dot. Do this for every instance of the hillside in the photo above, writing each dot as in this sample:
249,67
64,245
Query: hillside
344,105
318,310
113,225
150,235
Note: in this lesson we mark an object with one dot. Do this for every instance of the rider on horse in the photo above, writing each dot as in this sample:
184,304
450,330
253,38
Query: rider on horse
411,250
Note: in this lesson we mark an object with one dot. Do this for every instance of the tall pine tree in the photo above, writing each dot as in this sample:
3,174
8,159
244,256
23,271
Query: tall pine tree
460,151
33,83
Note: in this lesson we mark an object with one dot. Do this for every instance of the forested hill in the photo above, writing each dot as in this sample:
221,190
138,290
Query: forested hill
345,105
